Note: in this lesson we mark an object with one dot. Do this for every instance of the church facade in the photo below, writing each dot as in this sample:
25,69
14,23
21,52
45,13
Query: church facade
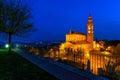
77,40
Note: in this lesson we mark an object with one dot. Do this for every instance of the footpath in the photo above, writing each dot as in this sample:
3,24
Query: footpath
59,70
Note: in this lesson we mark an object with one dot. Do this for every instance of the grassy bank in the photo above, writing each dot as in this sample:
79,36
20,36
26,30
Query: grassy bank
14,67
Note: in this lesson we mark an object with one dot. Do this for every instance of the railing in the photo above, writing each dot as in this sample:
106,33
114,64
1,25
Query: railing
84,74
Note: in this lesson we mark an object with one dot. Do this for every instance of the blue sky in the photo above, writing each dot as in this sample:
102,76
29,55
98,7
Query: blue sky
54,18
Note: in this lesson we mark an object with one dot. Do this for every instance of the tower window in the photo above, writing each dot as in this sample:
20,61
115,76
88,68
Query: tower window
88,31
89,28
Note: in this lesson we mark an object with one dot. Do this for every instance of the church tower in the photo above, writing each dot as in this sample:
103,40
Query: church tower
90,30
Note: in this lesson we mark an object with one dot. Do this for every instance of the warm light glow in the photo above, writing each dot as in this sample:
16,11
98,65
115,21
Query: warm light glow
89,28
98,45
87,55
107,53
109,48
88,31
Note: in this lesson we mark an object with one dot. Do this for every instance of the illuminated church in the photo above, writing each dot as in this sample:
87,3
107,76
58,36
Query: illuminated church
77,40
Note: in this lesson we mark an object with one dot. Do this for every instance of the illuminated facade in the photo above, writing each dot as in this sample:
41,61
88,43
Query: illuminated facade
77,40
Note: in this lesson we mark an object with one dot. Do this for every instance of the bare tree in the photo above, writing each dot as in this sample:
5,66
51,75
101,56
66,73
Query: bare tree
15,19
117,50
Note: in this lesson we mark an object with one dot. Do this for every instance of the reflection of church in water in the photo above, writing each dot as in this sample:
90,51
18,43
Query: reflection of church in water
77,40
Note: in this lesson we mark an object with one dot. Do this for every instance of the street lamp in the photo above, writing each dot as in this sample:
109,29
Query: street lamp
7,45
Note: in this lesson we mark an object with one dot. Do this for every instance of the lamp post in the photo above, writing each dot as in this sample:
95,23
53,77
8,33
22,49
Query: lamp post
88,65
88,61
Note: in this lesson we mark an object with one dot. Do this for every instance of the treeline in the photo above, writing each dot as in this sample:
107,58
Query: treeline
110,42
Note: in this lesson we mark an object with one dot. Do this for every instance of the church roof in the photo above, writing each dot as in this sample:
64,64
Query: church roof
80,42
73,32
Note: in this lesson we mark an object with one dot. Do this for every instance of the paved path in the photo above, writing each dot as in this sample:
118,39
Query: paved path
49,66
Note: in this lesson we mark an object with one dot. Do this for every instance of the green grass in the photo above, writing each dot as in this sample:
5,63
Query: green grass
3,51
14,67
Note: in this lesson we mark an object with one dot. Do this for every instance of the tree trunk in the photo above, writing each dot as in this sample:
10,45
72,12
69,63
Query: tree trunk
9,42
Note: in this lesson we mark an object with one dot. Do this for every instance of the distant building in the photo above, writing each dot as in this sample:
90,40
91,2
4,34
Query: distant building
78,40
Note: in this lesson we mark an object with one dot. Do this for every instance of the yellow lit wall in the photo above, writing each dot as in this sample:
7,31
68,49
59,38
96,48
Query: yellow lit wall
75,37
84,47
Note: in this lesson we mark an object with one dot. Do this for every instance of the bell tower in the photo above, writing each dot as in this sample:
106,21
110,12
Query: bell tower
90,30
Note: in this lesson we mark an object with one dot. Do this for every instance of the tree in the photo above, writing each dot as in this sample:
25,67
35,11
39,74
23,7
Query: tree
109,71
79,53
43,51
68,52
55,49
117,50
15,19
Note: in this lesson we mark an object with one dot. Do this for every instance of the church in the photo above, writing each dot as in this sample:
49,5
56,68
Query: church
78,40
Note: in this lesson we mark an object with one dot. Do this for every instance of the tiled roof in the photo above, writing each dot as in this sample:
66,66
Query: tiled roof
80,42
73,32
